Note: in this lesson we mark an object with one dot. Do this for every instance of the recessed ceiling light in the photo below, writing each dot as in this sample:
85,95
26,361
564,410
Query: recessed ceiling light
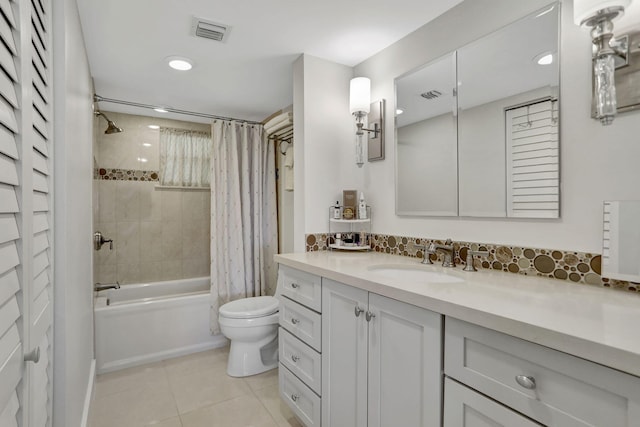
160,110
153,126
179,63
544,59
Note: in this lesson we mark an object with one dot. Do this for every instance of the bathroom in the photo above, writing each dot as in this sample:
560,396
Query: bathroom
597,163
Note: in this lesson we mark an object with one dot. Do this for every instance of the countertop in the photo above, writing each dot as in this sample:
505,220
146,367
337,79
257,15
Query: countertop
601,325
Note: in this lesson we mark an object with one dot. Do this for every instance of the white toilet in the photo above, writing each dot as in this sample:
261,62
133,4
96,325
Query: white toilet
252,326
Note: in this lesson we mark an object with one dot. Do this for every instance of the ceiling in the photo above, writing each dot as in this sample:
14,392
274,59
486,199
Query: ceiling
250,75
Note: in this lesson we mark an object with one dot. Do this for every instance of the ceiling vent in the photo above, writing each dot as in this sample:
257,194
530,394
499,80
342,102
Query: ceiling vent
432,94
210,30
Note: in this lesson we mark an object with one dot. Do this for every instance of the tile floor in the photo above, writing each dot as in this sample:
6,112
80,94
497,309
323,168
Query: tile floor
189,391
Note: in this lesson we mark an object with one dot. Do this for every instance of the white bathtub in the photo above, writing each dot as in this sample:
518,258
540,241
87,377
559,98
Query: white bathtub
148,322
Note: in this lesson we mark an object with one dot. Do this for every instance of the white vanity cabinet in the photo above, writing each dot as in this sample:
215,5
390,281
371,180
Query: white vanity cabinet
381,360
300,343
548,386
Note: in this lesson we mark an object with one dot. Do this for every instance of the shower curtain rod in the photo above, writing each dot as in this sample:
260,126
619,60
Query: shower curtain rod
98,98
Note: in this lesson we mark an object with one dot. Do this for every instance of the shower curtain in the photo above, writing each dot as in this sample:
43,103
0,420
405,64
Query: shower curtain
243,214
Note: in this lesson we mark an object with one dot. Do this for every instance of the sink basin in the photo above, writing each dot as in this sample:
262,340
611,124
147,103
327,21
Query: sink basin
413,274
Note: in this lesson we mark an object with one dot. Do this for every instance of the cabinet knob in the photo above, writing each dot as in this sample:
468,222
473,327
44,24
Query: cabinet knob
295,397
295,285
526,381
295,321
369,315
295,358
357,311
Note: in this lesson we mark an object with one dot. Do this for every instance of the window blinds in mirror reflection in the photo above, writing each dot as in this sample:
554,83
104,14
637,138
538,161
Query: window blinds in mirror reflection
621,240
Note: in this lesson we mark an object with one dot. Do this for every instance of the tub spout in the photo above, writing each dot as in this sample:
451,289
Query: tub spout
103,287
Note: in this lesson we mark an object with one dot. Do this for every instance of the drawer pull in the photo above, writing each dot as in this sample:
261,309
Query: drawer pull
295,321
369,316
295,285
295,397
525,381
357,311
295,358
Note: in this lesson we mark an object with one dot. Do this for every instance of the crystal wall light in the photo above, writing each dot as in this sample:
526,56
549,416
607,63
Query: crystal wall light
599,14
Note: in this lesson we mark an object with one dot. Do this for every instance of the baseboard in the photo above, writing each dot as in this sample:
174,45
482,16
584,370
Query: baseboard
217,341
88,398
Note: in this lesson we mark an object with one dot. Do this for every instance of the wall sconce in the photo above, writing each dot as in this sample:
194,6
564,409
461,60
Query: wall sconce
361,107
599,14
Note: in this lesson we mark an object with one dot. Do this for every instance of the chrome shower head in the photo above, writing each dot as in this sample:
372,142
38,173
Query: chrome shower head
111,126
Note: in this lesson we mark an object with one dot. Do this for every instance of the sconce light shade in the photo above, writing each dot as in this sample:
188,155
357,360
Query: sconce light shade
360,95
584,9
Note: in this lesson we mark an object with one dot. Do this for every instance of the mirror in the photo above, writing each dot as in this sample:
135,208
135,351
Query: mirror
621,240
498,153
426,140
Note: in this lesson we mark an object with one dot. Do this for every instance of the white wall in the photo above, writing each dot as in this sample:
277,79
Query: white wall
73,161
324,134
597,163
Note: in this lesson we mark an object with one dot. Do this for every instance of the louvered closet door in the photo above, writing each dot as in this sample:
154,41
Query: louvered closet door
533,162
41,310
25,288
11,285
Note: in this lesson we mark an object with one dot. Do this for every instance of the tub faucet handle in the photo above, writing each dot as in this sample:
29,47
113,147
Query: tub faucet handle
99,240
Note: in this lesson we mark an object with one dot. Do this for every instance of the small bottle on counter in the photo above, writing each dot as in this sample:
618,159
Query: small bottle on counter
362,207
336,211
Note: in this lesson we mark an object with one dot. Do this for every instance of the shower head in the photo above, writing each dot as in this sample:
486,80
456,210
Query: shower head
111,126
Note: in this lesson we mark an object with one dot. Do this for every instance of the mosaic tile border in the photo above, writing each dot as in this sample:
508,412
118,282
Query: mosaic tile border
576,267
125,175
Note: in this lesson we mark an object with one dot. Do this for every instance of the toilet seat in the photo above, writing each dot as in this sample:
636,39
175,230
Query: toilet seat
249,308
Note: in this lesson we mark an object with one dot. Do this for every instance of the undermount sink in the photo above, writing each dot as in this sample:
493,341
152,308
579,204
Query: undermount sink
413,274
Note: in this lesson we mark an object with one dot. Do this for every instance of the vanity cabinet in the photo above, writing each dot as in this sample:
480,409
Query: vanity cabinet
548,386
381,360
300,343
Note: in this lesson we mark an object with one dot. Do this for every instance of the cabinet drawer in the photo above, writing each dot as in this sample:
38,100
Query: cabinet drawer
301,286
464,407
300,398
549,386
301,359
301,322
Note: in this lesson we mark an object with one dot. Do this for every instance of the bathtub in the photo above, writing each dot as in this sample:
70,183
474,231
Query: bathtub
148,322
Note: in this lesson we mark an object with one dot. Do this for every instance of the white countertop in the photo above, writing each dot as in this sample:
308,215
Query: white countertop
601,325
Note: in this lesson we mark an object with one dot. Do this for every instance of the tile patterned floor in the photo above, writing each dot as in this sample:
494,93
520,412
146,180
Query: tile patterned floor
189,391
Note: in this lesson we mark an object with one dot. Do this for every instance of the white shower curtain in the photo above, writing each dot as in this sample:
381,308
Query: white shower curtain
243,214
184,158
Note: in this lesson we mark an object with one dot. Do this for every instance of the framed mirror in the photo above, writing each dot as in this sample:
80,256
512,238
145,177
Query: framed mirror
426,140
498,153
621,240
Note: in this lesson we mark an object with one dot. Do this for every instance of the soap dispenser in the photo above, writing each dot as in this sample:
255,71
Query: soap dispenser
362,207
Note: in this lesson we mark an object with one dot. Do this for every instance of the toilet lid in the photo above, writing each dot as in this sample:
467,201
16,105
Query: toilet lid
250,307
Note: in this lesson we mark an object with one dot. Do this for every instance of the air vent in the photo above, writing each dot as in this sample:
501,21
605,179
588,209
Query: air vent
432,94
210,30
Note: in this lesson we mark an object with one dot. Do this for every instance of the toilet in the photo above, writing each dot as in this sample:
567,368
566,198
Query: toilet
252,326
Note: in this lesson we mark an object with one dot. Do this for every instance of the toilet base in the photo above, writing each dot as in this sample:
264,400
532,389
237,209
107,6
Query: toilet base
247,359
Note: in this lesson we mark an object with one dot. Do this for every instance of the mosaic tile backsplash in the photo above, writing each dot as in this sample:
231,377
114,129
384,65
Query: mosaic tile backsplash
577,267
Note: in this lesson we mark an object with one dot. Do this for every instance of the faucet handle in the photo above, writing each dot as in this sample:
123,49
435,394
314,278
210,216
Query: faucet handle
469,262
427,250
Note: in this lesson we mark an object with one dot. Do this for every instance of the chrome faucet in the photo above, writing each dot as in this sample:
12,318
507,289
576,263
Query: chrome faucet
103,287
447,250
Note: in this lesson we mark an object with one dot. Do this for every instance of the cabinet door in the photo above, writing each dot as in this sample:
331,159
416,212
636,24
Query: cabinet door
344,356
405,364
464,407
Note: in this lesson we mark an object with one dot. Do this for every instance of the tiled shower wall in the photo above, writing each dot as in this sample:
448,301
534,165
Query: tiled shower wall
159,234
